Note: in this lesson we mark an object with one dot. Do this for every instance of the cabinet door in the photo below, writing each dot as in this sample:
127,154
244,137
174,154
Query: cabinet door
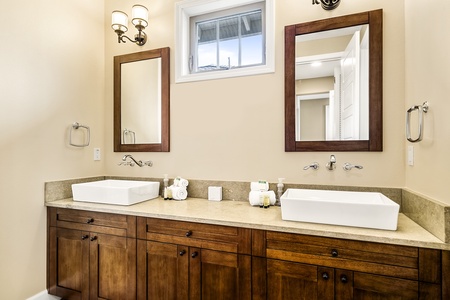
219,275
368,286
68,263
162,270
288,280
112,267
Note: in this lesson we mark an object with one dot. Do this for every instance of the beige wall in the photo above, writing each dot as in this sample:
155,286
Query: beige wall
51,74
230,129
428,79
233,129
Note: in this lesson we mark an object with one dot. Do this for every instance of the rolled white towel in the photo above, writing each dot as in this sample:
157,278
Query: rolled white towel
180,182
254,197
179,192
259,185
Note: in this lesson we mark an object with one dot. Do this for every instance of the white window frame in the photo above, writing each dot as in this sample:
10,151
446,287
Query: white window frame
191,8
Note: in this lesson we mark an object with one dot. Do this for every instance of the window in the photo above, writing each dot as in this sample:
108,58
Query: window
223,38
227,42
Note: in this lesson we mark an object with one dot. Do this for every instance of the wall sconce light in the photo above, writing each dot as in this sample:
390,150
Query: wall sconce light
139,20
327,4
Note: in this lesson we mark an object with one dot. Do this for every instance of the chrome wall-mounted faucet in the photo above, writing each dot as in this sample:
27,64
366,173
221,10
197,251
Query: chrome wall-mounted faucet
331,165
133,162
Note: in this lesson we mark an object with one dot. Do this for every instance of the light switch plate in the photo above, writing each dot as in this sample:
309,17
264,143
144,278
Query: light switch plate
97,154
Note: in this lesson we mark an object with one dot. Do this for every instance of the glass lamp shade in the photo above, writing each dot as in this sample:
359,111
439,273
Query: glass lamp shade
119,21
139,15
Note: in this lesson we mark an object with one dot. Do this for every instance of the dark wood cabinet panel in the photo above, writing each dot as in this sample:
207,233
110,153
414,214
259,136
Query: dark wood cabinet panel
289,280
445,274
112,267
90,265
205,236
369,286
361,270
222,275
382,259
68,263
162,271
184,263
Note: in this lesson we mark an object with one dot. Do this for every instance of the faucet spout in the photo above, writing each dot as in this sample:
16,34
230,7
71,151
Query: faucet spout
139,163
331,165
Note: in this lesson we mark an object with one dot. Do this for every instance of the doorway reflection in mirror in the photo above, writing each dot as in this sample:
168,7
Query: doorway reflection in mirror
332,80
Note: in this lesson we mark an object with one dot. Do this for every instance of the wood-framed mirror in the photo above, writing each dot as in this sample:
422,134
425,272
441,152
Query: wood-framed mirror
338,133
142,101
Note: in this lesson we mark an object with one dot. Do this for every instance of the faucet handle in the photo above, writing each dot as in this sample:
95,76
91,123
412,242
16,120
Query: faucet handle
314,165
348,166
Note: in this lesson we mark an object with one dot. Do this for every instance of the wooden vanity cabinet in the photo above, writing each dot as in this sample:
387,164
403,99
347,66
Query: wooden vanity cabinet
306,267
184,260
91,255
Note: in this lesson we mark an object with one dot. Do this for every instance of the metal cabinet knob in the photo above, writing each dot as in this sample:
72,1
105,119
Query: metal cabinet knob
334,253
182,252
344,279
84,237
90,220
325,276
93,238
188,234
194,254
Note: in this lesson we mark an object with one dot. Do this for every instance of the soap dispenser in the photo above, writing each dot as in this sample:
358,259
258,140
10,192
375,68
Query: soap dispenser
166,186
280,188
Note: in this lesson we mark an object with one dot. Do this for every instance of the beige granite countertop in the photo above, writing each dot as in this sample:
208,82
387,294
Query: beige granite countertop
242,214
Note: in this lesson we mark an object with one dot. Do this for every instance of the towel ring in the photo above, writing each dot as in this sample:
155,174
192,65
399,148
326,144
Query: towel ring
422,109
132,133
75,126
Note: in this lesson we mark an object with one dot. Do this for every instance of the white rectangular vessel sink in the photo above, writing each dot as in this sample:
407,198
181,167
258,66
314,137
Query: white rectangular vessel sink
119,192
357,209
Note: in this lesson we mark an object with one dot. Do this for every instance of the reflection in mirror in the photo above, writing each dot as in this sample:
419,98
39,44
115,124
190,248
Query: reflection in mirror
141,101
143,125
331,72
333,84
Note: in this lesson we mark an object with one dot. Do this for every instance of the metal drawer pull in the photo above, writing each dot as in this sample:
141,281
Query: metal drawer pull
334,253
188,234
90,220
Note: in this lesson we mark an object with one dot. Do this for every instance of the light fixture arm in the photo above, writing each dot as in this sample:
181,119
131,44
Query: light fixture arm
327,4
139,39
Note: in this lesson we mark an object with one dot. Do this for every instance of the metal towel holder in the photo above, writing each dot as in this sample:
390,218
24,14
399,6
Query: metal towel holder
132,133
75,126
422,109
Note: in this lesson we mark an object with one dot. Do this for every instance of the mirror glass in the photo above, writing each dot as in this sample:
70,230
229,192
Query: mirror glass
333,84
141,101
143,125
330,106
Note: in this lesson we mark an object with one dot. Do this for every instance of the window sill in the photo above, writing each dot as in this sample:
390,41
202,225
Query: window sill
248,71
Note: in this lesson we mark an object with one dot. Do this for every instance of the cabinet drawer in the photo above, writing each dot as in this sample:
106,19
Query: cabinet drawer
215,237
382,259
114,224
